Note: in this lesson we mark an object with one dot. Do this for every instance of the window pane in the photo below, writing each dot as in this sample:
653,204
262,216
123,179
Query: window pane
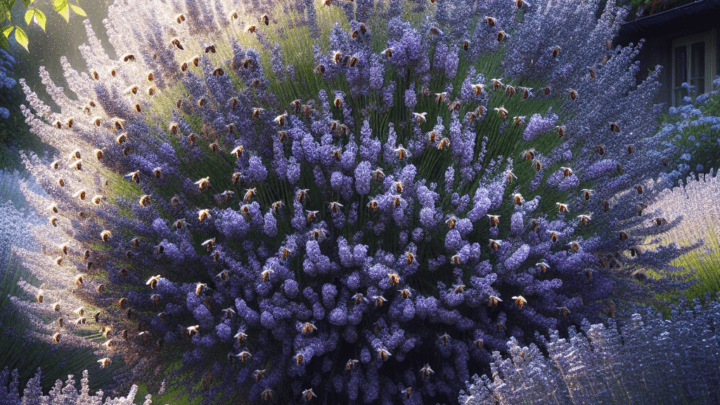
697,67
680,65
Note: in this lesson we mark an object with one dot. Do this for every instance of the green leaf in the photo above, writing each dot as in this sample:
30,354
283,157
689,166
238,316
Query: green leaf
4,42
22,38
29,16
78,10
27,3
40,18
63,8
7,30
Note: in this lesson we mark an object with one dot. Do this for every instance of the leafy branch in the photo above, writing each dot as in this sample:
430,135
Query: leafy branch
33,14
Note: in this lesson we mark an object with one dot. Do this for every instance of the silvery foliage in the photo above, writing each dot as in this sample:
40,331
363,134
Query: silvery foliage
648,360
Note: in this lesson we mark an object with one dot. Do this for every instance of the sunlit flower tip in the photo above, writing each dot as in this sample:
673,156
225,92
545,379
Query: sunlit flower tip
379,300
562,208
519,300
494,220
574,246
502,112
458,288
553,236
426,372
519,120
402,152
614,127
519,200
420,117
585,219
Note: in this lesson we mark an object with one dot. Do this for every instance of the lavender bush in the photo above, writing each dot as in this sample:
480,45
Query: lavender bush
343,201
649,360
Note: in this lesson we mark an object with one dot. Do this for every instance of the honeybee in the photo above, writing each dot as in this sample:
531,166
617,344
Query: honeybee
543,266
630,149
614,127
276,206
493,301
458,288
335,207
639,189
426,372
176,43
440,97
509,90
379,300
502,112
320,69
204,183
520,301
574,246
383,354
435,31
351,364
623,236
378,175
56,336
203,215
299,358
388,53
359,298
256,112
490,21
309,394
74,154
54,221
537,165
238,151
564,311
573,94
405,293
128,57
553,236
302,195
265,274
214,147
209,244
394,278
555,51
519,200
562,208
311,215
402,152
585,219
494,220
265,19
466,45
566,171
218,72
494,244
78,165
501,36
420,117
519,120
210,49
606,206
